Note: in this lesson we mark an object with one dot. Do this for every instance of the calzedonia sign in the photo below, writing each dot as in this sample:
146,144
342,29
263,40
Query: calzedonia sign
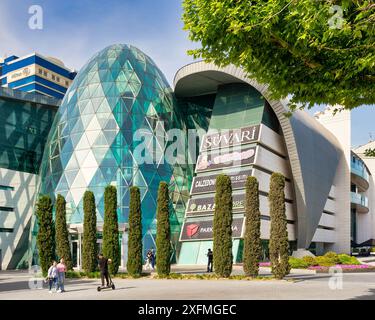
203,230
208,183
225,159
230,137
204,206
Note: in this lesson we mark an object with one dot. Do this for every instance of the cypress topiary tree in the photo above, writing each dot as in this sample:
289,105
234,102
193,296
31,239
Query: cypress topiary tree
252,242
134,264
46,233
222,227
62,234
279,244
163,241
89,246
111,244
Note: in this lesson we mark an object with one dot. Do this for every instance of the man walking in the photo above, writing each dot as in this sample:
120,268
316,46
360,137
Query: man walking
210,256
103,267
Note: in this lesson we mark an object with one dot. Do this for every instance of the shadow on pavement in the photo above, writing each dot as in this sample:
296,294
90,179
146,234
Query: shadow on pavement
369,296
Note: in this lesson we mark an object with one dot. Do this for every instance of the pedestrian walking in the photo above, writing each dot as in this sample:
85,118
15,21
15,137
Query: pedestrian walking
153,258
210,256
148,260
52,276
61,269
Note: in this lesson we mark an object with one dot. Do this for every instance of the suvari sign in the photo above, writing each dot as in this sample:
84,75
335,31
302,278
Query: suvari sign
203,230
232,137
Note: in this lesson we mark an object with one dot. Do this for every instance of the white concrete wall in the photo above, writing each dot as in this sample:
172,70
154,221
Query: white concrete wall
21,199
339,239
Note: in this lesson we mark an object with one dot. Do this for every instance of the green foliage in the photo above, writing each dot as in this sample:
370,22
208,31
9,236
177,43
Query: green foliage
222,227
304,48
163,232
333,257
89,246
134,264
278,244
46,233
62,234
370,152
297,263
310,261
346,259
324,261
111,242
252,243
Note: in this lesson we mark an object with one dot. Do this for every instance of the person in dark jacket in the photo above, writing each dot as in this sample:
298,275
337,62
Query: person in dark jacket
103,267
210,256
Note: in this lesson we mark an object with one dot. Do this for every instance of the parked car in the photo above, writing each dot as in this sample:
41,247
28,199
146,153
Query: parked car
364,251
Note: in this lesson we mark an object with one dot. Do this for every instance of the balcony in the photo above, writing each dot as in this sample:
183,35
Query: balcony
359,202
359,174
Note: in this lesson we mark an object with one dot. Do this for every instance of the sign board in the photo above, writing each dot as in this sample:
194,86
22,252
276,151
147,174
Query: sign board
207,184
206,205
230,137
225,159
203,230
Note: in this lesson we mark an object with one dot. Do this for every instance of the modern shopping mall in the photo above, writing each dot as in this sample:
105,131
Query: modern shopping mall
90,139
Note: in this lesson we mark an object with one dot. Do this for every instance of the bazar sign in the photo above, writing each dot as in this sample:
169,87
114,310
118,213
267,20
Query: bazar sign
230,137
203,230
201,206
224,160
207,183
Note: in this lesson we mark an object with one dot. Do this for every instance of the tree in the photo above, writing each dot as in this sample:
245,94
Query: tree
89,246
163,233
279,244
317,51
370,152
46,233
134,264
62,234
252,240
222,227
111,244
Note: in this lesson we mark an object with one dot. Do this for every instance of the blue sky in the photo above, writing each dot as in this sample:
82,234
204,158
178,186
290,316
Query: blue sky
75,29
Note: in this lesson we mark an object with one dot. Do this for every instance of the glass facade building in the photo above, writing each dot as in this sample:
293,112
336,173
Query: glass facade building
25,122
119,94
25,126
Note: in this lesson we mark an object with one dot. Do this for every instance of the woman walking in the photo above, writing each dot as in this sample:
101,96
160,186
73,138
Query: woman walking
61,269
52,276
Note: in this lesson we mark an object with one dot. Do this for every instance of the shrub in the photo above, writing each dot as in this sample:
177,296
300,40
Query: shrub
62,234
252,243
163,232
134,264
297,263
111,242
278,244
311,261
324,261
222,227
333,256
89,247
46,233
346,259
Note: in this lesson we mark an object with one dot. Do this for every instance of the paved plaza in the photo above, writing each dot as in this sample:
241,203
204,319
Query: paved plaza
306,285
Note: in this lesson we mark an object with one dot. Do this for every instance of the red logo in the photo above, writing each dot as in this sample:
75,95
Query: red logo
192,229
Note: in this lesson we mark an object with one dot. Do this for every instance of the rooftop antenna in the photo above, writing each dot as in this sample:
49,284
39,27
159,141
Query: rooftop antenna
371,137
